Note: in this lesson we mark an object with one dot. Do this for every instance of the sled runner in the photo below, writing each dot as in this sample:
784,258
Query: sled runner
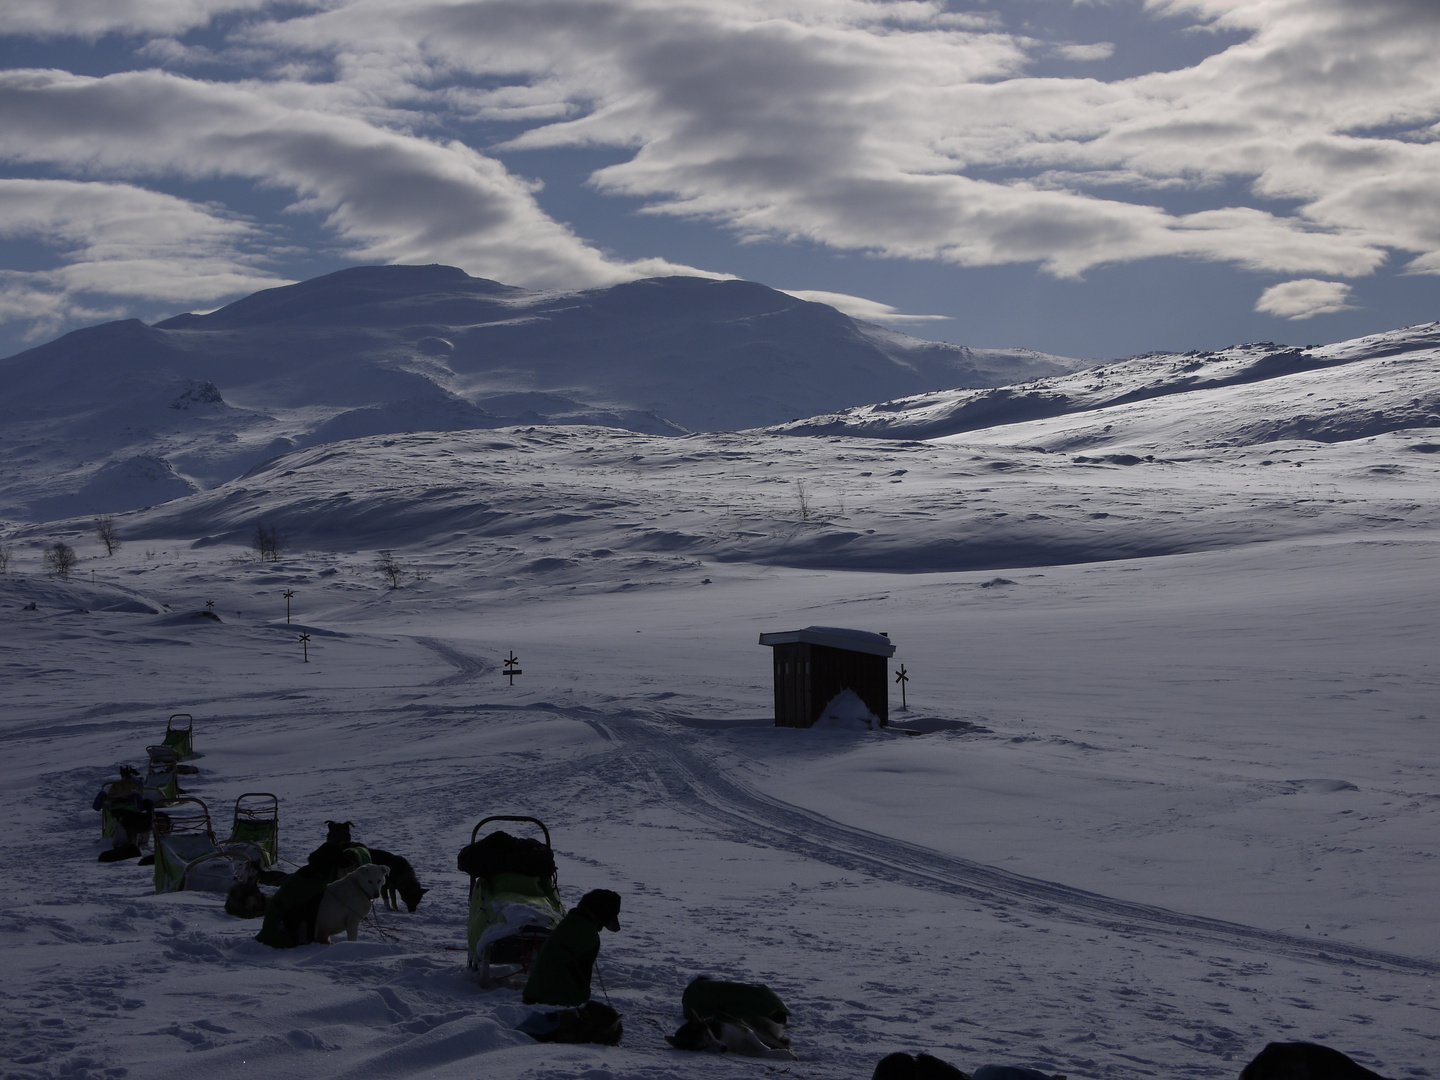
514,899
257,821
187,855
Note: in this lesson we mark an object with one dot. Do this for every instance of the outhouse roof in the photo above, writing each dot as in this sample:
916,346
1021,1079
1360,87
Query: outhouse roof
834,637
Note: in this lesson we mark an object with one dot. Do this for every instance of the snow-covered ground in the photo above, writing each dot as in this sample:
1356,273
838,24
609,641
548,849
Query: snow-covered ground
1176,792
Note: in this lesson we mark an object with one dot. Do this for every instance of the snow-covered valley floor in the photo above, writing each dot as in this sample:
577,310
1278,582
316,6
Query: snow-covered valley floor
1164,810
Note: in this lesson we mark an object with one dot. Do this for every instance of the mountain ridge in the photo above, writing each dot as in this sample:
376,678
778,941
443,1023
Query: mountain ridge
384,350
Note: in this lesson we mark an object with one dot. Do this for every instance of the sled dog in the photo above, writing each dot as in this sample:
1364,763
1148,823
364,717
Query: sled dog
348,901
753,1036
1304,1061
402,880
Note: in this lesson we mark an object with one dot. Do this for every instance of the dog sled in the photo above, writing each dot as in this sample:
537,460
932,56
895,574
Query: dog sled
188,857
180,734
162,776
257,821
514,899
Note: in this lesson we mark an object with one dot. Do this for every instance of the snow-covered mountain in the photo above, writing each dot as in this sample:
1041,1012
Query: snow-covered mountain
1150,456
1245,395
123,415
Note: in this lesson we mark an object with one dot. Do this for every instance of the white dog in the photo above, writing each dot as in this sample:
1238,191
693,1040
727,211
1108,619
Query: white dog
753,1036
347,901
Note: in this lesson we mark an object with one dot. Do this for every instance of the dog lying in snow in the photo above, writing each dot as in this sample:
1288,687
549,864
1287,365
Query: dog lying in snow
348,901
1304,1061
402,880
916,1067
753,1036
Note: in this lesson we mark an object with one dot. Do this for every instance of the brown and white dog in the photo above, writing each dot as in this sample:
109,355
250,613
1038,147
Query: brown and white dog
348,901
753,1036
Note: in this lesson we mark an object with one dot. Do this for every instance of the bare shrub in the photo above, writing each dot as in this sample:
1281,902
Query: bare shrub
802,496
60,559
390,569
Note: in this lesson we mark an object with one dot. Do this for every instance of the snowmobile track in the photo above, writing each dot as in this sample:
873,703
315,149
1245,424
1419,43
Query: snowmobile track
704,790
469,667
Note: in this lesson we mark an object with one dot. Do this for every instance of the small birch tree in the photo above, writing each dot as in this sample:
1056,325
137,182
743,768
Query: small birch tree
108,534
390,569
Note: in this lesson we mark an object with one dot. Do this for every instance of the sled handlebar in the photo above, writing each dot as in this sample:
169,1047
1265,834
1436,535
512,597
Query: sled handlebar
475,832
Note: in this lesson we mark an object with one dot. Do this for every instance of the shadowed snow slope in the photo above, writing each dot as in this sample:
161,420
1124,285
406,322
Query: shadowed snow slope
381,350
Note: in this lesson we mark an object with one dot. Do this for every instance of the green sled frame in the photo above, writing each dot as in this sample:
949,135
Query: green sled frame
501,949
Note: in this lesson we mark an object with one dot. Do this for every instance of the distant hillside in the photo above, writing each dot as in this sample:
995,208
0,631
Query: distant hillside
124,415
1243,396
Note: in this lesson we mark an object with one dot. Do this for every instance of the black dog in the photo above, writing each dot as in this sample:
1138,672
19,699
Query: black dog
590,1023
401,880
132,826
245,900
332,859
1304,1061
918,1067
338,832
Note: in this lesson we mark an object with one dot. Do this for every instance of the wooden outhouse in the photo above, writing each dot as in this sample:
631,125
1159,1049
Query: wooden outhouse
814,665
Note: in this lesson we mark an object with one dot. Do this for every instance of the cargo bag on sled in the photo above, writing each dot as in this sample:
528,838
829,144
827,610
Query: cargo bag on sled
514,899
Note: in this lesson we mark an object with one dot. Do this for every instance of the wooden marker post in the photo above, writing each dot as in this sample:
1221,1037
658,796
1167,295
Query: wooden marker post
510,669
305,644
902,678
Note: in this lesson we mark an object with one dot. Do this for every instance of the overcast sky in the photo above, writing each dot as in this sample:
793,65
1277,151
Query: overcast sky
1086,177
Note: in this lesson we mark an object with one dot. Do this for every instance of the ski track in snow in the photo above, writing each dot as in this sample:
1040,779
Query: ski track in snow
709,793
406,1008
468,667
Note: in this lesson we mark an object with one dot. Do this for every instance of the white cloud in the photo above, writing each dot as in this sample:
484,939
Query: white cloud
92,18
1100,50
1304,299
391,197
114,244
896,129
831,123
859,307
